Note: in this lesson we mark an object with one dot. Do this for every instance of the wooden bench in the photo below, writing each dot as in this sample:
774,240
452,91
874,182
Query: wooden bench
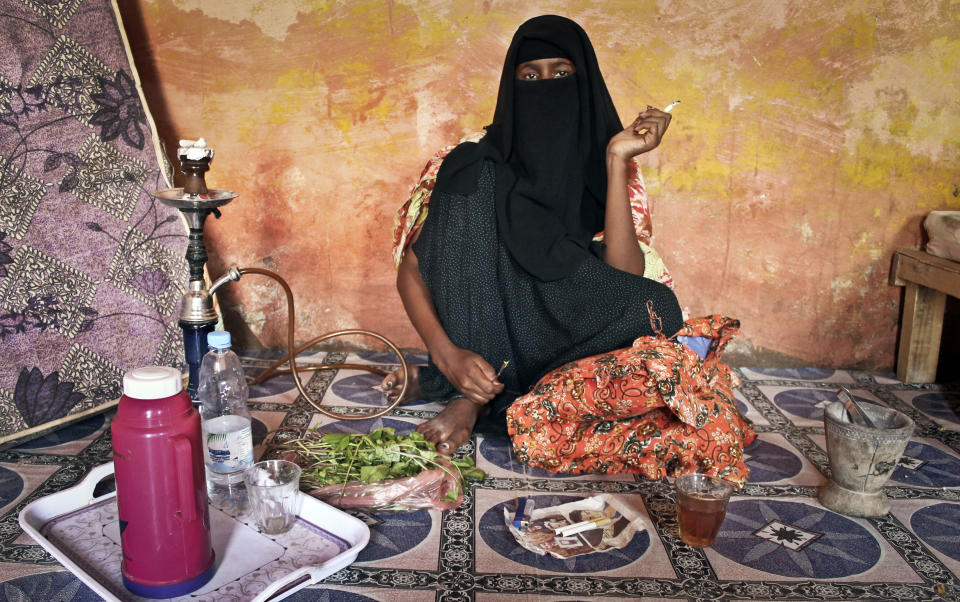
928,280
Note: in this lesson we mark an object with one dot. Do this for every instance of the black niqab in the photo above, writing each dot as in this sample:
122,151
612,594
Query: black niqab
548,141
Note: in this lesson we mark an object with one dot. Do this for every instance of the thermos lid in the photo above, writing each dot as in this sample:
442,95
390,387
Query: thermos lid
219,339
152,382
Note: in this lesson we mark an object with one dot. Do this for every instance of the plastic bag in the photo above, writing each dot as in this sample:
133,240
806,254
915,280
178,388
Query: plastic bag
431,489
606,523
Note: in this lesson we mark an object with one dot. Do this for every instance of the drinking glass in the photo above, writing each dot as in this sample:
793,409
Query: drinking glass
701,507
273,487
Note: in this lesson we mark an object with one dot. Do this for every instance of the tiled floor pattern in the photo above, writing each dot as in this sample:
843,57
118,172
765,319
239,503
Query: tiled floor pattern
777,543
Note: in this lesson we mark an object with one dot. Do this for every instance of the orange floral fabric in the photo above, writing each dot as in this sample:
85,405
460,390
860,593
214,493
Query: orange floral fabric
654,409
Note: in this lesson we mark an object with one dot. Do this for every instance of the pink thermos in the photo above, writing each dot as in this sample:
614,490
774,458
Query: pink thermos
161,486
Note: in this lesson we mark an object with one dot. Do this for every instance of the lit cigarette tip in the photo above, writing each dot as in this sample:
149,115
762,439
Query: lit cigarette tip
670,106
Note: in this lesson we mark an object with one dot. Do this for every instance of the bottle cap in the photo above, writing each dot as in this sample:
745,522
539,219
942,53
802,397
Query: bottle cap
152,382
219,339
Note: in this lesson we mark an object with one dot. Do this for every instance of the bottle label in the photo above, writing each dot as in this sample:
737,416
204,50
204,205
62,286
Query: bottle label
229,451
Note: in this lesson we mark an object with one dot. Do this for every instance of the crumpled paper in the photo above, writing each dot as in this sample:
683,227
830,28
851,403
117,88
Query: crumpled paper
539,533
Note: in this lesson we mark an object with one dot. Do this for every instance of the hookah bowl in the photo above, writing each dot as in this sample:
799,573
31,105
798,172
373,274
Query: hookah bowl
195,201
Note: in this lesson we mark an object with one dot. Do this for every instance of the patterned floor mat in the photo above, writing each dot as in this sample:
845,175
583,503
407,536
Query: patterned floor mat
777,543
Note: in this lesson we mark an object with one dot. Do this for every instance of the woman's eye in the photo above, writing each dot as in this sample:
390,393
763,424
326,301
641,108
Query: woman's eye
561,73
529,75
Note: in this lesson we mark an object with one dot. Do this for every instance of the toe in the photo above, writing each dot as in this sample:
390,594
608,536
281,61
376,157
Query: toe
429,432
461,438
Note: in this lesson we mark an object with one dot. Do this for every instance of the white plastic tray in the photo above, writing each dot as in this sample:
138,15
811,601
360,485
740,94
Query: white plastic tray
82,532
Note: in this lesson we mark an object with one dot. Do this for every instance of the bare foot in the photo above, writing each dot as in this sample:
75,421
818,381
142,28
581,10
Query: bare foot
453,426
393,383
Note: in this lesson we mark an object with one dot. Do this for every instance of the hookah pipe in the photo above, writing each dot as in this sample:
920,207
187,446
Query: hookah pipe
197,315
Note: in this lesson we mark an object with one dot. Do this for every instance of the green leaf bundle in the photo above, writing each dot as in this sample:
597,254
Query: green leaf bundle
335,458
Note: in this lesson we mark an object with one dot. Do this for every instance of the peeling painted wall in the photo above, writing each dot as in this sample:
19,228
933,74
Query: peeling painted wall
812,139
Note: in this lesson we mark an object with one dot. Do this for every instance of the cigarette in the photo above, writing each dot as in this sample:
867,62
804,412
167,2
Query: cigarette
582,526
666,109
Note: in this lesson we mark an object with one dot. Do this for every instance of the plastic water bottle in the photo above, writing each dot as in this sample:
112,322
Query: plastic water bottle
225,420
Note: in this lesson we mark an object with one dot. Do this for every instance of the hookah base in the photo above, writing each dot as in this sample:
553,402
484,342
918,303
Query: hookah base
854,503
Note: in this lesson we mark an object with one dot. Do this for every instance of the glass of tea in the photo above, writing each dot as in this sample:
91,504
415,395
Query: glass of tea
701,506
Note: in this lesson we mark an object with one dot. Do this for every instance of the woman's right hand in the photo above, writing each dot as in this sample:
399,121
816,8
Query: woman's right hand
470,374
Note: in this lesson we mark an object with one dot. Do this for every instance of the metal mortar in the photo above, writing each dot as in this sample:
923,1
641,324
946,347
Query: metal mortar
862,458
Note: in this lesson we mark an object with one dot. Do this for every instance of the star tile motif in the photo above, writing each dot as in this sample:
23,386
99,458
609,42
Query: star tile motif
911,463
788,536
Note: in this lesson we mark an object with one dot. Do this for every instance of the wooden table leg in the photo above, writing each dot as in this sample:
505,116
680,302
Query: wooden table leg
920,334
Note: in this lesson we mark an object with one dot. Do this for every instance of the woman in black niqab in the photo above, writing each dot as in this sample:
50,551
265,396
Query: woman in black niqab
504,271
548,140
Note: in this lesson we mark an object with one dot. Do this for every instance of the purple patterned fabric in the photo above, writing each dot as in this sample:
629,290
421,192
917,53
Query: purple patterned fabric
91,265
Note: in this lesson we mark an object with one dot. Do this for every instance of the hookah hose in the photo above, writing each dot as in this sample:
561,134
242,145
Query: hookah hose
274,370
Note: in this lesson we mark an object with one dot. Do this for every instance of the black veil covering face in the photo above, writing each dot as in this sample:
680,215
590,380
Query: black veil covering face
548,141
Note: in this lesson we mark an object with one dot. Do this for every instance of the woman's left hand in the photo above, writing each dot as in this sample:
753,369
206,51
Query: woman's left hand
641,136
